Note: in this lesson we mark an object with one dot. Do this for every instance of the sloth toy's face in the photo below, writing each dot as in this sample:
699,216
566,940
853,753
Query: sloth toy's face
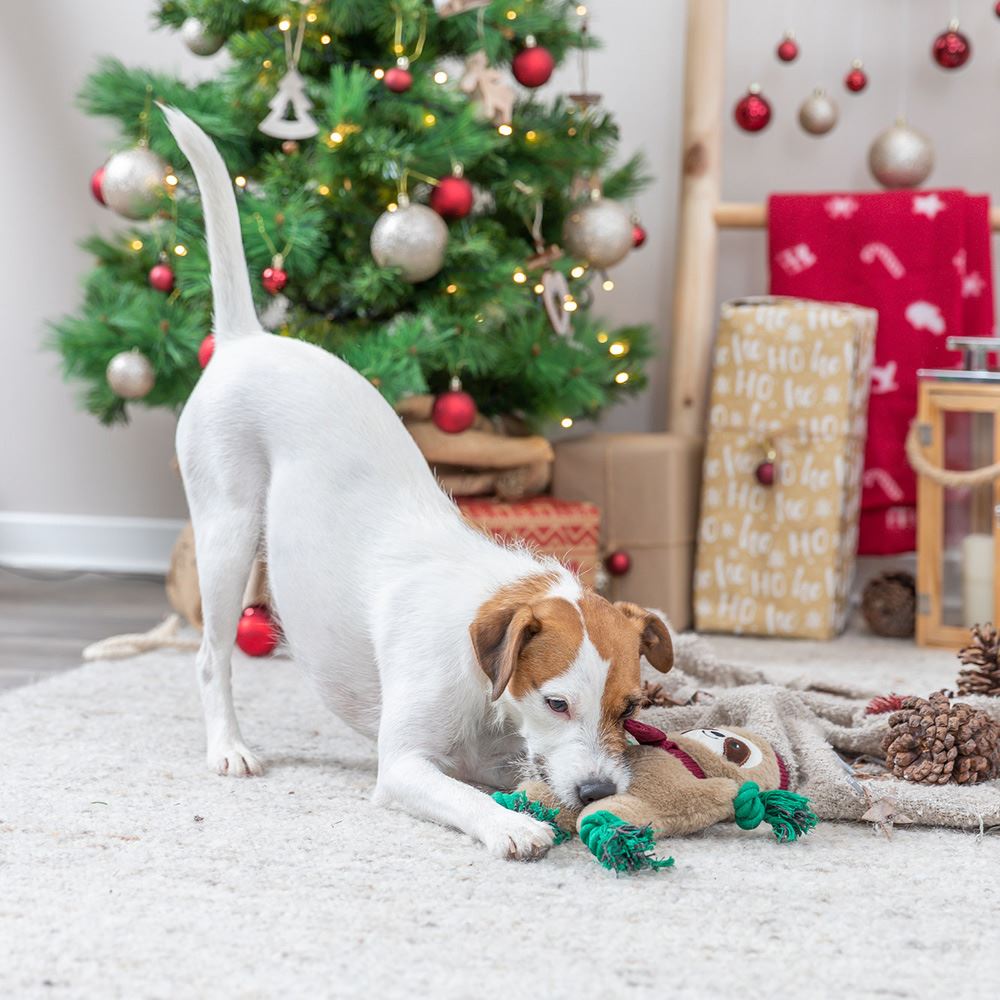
734,748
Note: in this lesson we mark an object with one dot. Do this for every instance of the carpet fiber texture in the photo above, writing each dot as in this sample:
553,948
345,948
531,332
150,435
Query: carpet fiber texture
127,870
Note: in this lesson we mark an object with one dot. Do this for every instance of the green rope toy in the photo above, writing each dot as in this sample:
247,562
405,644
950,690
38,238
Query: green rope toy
789,814
519,802
619,846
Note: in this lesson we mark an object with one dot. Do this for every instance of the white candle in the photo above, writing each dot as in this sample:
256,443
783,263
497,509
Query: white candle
977,579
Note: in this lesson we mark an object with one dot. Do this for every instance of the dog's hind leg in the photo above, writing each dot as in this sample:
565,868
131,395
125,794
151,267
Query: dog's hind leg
226,545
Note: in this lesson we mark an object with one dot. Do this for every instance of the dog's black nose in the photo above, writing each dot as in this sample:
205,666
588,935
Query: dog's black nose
591,791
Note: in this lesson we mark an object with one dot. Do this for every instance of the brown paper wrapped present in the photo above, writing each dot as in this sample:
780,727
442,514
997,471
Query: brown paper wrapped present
647,487
789,403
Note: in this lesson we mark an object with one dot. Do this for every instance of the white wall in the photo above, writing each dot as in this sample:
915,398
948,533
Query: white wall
55,459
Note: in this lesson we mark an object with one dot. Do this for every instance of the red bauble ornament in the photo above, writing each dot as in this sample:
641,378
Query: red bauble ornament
996,8
274,279
638,235
96,180
256,633
788,49
206,350
951,48
752,111
618,563
856,79
533,65
765,473
452,197
161,277
455,410
399,79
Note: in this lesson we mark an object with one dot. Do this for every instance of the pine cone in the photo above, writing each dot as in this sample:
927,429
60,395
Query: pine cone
982,658
932,742
889,604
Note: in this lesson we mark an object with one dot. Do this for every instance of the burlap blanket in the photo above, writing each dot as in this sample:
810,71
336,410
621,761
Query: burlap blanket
808,723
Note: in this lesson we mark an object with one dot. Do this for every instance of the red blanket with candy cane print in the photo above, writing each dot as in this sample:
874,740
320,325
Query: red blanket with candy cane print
923,260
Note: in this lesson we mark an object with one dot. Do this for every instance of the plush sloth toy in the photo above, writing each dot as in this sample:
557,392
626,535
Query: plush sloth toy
681,783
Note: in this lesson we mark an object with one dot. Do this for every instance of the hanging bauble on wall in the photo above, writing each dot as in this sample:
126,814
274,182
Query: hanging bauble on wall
199,40
452,197
130,375
599,232
818,113
399,79
951,48
618,563
454,411
533,65
752,111
856,79
96,180
412,238
639,233
132,183
788,49
901,157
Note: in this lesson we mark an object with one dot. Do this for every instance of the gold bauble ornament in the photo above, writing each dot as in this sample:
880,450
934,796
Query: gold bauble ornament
132,184
412,238
130,374
901,157
818,113
599,232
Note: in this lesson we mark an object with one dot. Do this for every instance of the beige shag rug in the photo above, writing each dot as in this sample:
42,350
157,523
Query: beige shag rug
127,870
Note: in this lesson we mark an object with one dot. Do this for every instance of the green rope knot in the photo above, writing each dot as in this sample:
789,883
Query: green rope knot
620,846
789,814
519,802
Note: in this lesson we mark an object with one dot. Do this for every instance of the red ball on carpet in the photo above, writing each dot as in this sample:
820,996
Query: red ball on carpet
533,66
752,111
96,180
256,633
206,350
161,277
638,235
452,198
273,279
398,80
951,48
454,411
765,473
618,563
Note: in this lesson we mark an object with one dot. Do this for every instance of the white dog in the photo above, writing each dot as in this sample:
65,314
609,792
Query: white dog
461,657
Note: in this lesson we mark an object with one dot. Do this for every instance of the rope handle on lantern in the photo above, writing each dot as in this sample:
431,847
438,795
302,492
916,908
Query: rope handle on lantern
945,477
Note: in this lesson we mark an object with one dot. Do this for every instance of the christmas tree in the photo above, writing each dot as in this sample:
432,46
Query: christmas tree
404,204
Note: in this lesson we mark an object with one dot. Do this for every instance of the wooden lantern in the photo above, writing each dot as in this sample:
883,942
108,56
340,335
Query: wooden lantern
954,445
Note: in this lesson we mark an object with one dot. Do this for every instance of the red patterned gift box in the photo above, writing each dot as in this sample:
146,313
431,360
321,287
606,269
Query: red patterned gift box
569,530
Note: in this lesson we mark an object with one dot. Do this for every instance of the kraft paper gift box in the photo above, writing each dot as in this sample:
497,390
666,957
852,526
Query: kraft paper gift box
791,377
647,488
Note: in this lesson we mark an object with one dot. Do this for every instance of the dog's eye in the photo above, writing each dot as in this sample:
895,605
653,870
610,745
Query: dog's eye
559,705
629,710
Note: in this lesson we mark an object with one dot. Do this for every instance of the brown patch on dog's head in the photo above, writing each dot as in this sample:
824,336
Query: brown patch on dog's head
521,638
621,633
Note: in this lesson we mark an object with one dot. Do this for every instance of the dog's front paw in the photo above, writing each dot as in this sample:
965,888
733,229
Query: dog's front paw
234,760
517,837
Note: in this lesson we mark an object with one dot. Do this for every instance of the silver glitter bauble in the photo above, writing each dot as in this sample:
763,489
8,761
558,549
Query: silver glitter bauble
413,238
130,375
599,232
198,40
901,157
133,182
818,113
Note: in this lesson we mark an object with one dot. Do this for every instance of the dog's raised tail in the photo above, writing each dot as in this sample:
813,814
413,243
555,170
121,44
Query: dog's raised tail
232,301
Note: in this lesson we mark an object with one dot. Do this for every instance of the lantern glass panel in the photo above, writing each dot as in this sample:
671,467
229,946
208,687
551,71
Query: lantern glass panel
967,556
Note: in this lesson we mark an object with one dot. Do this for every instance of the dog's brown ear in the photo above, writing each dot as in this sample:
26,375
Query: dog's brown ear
498,636
655,642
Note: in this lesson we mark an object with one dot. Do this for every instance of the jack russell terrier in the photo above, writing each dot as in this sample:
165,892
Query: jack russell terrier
467,660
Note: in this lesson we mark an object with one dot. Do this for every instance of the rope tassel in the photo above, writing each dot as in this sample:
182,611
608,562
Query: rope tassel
789,814
519,802
620,846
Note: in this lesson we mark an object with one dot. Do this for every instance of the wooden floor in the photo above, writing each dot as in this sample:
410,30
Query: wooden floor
47,619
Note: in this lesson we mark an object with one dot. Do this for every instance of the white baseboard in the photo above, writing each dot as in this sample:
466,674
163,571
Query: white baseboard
83,542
